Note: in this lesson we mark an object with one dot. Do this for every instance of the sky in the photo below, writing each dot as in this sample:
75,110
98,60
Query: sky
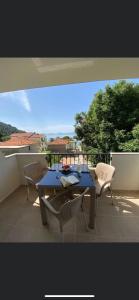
49,109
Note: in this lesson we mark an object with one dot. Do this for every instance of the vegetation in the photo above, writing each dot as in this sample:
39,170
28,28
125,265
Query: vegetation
6,130
66,137
112,121
53,158
51,139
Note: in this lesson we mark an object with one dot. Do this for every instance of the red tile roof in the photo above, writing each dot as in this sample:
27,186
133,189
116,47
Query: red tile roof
27,135
21,139
59,142
17,142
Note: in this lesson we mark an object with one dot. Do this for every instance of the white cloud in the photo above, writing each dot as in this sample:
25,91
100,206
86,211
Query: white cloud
18,97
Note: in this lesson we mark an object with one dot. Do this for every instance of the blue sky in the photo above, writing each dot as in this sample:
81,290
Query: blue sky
49,109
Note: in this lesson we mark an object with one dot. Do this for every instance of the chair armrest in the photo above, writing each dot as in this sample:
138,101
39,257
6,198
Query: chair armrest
29,179
105,183
49,206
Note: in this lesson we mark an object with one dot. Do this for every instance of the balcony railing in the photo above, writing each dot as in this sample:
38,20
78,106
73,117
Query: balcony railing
126,166
80,158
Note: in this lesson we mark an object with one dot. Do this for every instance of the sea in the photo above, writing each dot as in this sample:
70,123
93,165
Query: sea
59,134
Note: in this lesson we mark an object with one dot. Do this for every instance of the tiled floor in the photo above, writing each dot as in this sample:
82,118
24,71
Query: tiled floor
20,220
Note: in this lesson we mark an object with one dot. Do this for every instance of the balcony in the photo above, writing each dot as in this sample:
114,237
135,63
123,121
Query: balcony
21,222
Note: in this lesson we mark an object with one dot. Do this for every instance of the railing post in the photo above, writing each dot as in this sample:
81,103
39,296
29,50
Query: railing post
50,160
110,158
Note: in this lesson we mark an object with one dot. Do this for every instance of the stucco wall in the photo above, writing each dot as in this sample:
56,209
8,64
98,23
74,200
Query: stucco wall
9,176
57,148
9,151
11,171
35,148
127,171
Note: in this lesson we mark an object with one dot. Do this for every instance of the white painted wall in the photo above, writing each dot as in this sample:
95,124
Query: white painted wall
9,176
11,171
127,171
8,151
27,158
35,148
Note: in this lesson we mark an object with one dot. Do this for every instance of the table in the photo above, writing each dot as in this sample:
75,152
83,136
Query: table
52,180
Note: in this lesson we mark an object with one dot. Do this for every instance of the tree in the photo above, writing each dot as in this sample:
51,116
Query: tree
66,137
132,145
6,130
4,138
112,120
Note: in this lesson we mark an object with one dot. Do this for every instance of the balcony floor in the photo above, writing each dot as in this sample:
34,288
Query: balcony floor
20,220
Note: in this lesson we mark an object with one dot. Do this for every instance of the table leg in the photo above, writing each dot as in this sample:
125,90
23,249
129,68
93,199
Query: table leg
92,208
42,207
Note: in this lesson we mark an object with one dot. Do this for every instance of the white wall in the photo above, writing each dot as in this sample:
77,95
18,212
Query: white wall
58,148
11,171
9,151
127,171
35,148
9,175
27,158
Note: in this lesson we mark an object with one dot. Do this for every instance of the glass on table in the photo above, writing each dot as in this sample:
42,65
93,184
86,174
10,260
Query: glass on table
57,170
79,170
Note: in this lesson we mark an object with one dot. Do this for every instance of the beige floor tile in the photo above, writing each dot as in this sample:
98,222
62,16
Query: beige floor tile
20,220
108,226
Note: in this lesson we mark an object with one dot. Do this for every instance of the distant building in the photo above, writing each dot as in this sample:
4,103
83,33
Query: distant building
22,142
60,145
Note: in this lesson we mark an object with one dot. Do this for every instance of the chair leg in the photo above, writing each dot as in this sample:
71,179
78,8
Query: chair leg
86,222
82,204
27,188
85,219
97,200
112,202
61,231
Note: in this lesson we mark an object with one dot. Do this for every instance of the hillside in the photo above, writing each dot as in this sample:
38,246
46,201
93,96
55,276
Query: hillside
6,130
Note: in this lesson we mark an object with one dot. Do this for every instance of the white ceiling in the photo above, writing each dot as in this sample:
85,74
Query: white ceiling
27,73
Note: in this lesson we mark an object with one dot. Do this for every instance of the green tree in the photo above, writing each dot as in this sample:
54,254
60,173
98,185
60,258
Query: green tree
132,145
4,138
66,137
112,120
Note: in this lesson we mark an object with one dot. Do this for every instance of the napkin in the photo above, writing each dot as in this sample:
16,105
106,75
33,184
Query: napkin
68,180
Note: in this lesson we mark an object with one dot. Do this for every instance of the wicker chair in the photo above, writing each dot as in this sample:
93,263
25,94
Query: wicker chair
103,175
33,173
64,208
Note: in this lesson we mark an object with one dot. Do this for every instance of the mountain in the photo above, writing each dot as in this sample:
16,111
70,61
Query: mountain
7,129
59,134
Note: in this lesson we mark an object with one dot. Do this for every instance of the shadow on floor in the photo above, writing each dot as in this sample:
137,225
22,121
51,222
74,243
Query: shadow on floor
21,222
